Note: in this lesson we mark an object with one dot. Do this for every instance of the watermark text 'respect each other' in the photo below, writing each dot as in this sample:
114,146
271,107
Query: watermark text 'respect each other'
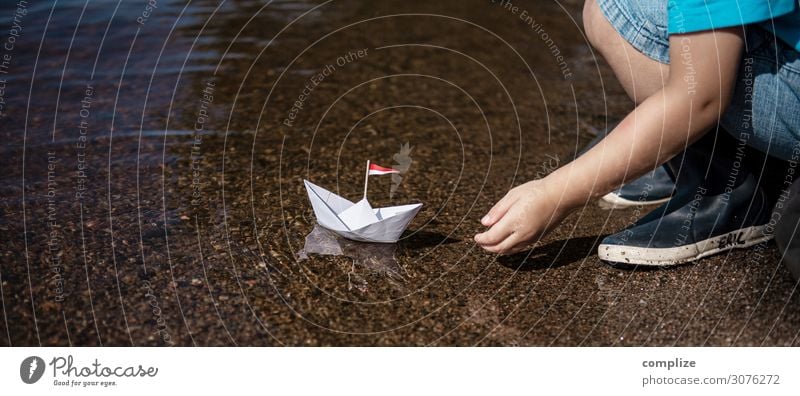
317,79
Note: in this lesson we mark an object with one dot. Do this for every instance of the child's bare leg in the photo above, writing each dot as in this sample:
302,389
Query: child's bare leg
640,75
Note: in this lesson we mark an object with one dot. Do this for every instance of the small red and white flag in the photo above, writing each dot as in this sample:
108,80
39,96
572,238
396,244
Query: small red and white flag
379,170
373,169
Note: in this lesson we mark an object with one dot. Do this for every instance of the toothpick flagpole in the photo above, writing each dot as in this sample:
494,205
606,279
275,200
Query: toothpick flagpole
366,180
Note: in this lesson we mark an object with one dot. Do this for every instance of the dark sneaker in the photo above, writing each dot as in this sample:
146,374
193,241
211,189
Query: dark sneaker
787,231
651,189
718,206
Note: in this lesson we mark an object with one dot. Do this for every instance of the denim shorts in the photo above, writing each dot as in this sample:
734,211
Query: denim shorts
765,109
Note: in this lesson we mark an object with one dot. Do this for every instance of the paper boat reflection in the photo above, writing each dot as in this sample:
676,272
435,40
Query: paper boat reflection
370,261
359,221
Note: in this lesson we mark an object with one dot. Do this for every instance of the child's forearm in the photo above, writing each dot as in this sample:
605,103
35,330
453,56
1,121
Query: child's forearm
658,129
662,126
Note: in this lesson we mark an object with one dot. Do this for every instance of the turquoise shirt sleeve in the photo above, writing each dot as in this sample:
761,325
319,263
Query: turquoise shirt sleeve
686,16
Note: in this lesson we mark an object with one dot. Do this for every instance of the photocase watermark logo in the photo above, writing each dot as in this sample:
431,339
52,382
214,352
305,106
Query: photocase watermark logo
31,369
65,371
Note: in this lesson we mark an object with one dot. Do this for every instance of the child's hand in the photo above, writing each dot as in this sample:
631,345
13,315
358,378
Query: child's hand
527,212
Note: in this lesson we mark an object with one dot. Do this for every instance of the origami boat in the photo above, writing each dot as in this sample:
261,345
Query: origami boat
359,221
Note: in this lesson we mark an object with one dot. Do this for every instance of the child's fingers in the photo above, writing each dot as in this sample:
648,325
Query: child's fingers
520,247
506,246
494,235
498,210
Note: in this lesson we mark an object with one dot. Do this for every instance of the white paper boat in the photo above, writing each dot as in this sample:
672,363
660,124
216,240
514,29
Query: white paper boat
359,221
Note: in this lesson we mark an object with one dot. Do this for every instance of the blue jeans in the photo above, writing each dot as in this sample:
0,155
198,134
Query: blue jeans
765,109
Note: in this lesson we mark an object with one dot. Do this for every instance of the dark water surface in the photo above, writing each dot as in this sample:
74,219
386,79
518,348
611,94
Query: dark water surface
152,166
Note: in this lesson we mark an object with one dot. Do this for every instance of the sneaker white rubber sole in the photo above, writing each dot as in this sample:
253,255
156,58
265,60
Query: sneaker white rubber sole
614,201
738,239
